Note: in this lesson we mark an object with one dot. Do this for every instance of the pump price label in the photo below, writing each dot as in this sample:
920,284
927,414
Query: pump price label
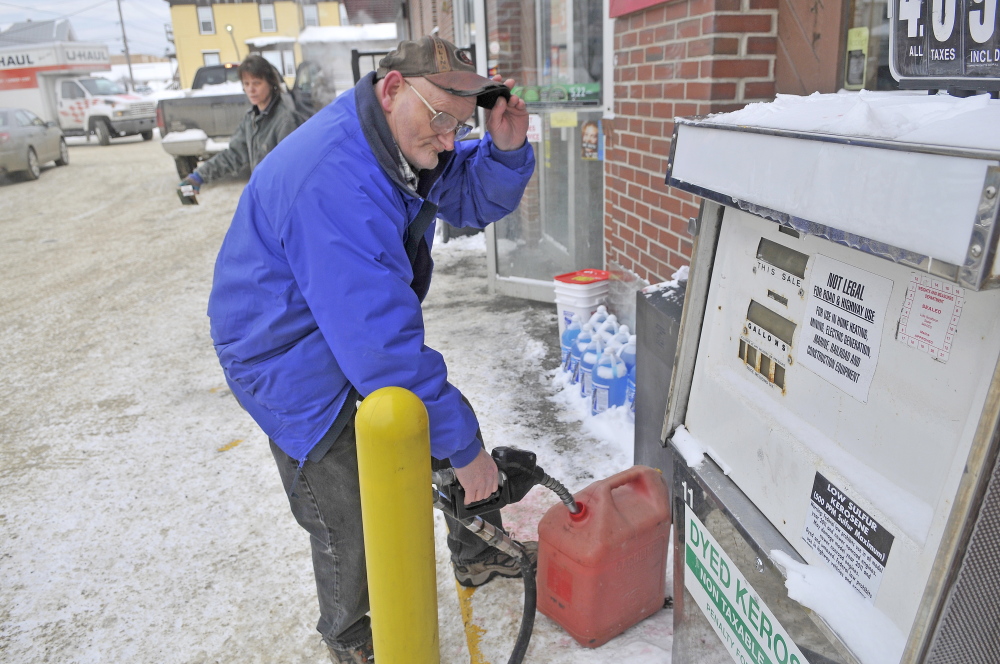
842,327
746,626
945,39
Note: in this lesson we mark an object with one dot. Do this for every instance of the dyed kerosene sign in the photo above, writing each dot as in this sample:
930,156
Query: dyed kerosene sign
952,42
747,626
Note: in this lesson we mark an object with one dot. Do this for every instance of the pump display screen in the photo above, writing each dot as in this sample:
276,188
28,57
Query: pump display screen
782,257
946,39
765,344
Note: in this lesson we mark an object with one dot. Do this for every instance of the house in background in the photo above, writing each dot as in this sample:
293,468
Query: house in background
210,32
37,32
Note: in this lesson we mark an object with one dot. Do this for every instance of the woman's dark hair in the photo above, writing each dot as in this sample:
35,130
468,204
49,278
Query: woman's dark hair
256,66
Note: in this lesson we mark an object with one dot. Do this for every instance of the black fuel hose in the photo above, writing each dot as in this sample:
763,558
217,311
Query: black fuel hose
530,603
521,469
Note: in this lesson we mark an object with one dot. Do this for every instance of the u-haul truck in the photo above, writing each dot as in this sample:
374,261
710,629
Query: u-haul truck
54,82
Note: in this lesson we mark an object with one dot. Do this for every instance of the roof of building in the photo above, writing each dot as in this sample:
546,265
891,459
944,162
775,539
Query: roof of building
37,32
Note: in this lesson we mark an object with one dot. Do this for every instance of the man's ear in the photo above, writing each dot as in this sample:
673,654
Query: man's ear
392,85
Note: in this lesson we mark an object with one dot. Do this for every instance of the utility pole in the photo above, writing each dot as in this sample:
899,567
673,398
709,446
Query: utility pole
128,58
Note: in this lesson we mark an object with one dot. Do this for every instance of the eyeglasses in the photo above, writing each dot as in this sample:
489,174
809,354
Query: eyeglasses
441,122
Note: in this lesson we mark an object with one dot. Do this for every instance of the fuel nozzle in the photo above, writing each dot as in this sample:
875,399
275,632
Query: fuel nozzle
519,472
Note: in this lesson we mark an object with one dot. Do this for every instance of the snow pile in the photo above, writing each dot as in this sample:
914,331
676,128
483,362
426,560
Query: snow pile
868,632
185,136
903,116
348,33
692,449
260,42
227,88
614,426
664,286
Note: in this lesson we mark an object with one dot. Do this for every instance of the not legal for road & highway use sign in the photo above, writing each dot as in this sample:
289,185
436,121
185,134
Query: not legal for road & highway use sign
841,337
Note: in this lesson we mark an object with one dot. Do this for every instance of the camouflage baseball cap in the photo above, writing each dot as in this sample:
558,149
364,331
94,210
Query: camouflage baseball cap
446,66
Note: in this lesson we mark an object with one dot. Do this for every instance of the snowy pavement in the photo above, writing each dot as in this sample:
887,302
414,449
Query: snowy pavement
141,517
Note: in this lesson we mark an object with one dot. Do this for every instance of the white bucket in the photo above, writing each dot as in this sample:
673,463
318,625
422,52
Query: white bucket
584,307
581,290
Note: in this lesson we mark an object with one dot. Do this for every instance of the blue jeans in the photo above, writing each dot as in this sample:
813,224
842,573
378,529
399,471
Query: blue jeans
327,504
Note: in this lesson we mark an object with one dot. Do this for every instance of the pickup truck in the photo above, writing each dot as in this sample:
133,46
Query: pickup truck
198,124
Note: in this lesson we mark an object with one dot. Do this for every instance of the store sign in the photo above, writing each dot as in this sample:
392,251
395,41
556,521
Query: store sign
947,42
747,627
571,94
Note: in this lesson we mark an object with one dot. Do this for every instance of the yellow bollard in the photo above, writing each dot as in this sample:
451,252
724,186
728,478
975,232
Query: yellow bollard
394,464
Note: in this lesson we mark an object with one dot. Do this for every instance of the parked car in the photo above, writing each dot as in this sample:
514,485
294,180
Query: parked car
27,142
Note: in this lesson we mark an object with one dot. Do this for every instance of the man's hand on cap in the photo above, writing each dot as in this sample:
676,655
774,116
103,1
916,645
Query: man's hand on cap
507,122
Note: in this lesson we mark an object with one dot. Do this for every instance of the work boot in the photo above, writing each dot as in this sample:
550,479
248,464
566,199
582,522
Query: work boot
363,654
472,575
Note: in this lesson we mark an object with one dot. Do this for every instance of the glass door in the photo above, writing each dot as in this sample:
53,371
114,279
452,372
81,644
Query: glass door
554,49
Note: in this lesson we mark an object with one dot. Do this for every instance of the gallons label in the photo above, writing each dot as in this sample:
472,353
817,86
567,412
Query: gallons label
854,544
930,315
743,622
842,326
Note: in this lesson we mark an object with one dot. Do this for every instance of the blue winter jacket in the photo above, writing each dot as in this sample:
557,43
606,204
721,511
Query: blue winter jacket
312,291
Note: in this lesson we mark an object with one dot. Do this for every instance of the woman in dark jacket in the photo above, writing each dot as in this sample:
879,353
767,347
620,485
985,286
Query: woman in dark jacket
269,120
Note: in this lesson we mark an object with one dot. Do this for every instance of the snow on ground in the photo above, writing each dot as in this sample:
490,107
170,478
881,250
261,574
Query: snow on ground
141,516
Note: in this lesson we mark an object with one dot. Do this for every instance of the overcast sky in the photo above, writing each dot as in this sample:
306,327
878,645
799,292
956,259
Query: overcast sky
97,20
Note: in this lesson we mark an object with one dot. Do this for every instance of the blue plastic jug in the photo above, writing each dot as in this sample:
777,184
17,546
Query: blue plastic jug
627,353
588,360
608,328
579,345
610,380
619,340
569,335
598,317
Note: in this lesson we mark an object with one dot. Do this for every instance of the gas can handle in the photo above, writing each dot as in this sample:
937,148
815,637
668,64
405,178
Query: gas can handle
635,475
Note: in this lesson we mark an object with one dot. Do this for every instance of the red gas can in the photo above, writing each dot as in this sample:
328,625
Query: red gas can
603,570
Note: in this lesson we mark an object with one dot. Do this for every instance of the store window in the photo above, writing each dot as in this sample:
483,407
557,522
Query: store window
267,21
206,21
554,50
866,53
310,15
288,63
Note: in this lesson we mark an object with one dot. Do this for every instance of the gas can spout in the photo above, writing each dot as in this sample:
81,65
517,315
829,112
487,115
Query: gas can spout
561,491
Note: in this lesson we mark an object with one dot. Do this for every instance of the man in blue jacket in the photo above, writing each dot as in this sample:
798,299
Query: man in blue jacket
317,292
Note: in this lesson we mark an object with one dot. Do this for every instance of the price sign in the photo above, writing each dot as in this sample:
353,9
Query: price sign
946,43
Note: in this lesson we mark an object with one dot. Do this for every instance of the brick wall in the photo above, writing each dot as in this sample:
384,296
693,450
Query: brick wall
681,58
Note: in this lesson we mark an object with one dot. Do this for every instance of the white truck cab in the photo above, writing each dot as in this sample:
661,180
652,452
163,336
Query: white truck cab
55,82
89,104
